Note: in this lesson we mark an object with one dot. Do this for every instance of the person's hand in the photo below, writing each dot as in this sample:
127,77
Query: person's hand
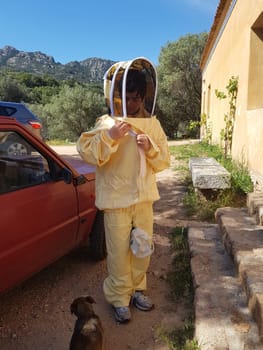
143,142
119,130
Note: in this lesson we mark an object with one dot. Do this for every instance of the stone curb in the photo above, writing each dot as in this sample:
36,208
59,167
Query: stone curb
243,240
222,316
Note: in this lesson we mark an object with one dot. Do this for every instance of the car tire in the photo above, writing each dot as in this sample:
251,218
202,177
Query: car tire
14,147
97,238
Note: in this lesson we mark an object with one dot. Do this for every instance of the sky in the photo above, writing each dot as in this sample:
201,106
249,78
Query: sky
118,30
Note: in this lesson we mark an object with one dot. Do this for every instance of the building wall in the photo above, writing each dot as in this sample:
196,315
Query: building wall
238,53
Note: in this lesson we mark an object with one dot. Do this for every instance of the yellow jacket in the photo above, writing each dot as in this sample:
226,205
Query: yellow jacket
118,180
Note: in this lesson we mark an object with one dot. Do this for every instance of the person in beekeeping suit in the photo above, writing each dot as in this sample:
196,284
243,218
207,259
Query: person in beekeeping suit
128,147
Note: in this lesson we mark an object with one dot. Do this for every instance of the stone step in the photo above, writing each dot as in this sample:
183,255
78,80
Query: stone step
255,206
254,199
243,240
223,320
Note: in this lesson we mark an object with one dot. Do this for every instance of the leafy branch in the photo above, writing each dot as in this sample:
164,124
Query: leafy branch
229,118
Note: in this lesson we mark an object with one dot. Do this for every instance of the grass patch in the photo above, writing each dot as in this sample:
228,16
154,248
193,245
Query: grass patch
184,152
203,205
179,339
180,280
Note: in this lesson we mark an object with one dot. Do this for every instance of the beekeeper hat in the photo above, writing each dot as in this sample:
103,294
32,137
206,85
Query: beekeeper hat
118,72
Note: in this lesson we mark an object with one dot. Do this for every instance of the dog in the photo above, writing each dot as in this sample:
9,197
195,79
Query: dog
88,330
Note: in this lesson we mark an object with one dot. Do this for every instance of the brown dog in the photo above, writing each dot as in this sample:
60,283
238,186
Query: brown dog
88,331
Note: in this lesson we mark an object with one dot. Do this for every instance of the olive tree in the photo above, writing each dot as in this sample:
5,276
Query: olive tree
11,89
179,98
72,111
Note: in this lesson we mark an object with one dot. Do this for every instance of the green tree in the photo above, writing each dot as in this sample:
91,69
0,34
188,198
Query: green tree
33,80
27,87
40,88
180,79
72,111
12,90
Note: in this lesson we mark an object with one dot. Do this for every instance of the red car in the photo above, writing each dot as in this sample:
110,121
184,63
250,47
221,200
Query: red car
46,207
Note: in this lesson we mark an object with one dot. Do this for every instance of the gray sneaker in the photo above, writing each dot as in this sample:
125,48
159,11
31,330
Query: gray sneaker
142,302
122,314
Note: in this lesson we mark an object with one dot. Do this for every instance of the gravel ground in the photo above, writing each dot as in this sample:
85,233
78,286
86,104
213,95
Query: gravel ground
36,316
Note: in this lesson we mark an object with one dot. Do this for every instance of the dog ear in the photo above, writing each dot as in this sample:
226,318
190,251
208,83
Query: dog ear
74,305
90,300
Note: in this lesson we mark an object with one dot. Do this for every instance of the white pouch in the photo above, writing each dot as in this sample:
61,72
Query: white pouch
141,245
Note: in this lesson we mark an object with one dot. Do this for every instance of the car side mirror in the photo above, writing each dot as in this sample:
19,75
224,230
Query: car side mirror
67,175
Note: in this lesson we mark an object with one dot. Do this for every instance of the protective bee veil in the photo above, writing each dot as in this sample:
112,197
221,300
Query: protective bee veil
115,80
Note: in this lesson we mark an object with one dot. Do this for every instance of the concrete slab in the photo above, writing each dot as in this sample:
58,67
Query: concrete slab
207,173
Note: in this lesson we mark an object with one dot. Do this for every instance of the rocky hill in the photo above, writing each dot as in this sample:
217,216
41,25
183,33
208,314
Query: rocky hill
89,70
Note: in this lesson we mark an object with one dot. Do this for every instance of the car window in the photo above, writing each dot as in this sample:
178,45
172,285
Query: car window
7,111
20,170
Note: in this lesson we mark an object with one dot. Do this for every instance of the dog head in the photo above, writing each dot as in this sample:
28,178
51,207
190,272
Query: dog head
82,307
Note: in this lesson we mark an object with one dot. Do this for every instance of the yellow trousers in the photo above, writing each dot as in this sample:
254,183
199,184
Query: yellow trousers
126,272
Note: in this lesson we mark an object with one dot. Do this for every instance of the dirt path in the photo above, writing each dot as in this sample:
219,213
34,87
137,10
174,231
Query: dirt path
35,316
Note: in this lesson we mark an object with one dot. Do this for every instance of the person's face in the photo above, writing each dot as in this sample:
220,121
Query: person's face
133,103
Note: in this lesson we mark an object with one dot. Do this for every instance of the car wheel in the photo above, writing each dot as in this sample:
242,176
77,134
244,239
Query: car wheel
97,238
13,147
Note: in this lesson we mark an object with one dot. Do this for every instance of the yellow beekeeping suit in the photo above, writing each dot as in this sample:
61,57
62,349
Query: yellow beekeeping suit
125,178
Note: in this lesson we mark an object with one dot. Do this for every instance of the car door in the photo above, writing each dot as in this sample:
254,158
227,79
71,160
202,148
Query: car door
38,213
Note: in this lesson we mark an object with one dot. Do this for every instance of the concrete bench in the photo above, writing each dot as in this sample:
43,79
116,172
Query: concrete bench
207,173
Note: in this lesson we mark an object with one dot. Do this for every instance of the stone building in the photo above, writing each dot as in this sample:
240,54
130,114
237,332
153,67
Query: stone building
235,49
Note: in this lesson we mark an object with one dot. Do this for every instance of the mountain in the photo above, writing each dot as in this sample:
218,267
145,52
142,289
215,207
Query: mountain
89,70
